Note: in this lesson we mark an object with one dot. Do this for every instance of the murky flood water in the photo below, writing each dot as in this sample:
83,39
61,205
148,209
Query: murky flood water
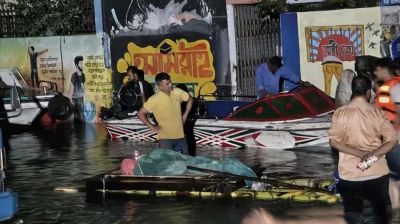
66,154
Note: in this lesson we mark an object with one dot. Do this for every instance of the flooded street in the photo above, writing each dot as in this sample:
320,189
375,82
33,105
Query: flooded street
64,155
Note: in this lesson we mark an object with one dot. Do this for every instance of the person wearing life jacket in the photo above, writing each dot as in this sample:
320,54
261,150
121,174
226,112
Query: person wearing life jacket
388,99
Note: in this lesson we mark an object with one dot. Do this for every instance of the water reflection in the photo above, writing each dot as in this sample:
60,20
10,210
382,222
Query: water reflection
65,154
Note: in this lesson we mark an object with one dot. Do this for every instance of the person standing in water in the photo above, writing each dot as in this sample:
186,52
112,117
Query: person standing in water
343,91
360,131
166,107
388,99
188,126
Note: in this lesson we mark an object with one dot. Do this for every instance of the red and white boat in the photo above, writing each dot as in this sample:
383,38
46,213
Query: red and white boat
287,120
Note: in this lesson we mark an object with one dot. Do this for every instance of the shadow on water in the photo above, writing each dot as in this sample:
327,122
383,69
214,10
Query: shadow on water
66,154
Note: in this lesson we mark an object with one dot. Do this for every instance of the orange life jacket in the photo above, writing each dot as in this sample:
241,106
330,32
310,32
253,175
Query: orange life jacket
384,100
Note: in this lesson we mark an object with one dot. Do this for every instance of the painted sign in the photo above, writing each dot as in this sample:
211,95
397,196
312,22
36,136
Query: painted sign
181,58
342,42
189,62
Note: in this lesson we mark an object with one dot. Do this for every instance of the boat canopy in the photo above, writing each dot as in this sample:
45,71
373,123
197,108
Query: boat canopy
11,77
304,102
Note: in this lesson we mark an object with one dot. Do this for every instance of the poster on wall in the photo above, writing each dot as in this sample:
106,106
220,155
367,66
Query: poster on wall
169,33
57,59
390,11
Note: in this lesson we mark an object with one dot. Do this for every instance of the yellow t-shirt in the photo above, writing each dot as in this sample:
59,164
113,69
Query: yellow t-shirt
167,110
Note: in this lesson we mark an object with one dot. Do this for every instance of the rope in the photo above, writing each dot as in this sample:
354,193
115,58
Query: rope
140,168
104,189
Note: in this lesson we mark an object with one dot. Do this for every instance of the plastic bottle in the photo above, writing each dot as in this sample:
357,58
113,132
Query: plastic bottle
136,154
364,165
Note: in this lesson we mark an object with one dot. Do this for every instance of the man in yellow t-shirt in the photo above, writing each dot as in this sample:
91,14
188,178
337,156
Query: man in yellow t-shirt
166,107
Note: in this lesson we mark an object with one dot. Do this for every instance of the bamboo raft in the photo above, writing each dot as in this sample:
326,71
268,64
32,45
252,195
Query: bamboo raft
208,187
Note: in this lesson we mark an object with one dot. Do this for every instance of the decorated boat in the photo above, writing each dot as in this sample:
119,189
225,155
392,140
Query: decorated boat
293,119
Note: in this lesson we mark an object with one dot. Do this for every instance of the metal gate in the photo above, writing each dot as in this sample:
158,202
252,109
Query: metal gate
257,38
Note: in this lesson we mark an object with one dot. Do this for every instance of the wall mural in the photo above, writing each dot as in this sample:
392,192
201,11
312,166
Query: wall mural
143,18
342,42
332,45
329,44
59,59
185,38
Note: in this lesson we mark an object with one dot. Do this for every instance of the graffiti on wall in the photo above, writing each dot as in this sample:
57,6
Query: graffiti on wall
181,58
187,62
146,18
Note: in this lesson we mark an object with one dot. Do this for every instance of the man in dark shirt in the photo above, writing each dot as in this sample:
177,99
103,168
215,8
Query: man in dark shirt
188,126
147,87
132,93
77,88
33,59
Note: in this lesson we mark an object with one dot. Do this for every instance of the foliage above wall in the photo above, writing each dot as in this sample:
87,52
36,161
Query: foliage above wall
46,18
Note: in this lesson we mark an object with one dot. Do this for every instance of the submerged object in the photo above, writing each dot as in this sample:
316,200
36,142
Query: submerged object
295,119
60,107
